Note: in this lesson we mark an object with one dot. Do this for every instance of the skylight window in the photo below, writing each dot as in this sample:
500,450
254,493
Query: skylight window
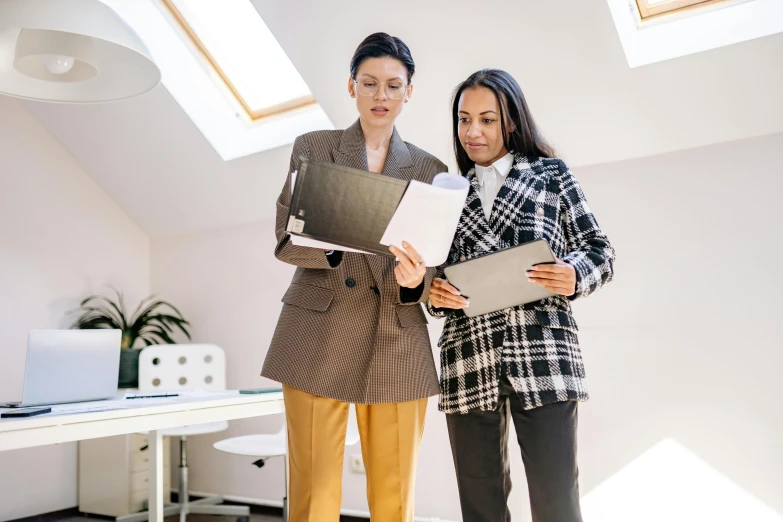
656,30
654,8
240,110
243,54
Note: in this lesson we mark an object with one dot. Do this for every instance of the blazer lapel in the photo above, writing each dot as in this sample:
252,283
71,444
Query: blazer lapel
352,152
508,196
486,238
398,159
520,185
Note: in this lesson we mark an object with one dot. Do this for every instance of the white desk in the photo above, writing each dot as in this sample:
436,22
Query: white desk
134,416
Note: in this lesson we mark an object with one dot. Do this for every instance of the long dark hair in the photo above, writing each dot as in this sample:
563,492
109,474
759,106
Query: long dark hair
381,45
525,138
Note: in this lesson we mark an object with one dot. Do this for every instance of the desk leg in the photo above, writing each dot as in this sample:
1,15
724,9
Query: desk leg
156,476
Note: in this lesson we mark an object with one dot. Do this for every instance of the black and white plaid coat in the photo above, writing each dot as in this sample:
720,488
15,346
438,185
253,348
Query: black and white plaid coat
535,345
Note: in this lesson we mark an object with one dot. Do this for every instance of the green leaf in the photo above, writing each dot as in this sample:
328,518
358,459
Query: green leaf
150,308
121,309
175,321
111,310
149,317
152,322
134,317
160,334
95,323
146,341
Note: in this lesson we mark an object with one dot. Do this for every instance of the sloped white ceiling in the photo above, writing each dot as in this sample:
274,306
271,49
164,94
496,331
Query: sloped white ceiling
566,55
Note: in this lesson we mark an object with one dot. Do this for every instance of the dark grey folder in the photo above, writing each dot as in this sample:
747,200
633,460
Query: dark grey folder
343,206
498,280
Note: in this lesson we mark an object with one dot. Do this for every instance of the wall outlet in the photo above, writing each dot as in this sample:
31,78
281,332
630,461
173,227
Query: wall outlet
357,464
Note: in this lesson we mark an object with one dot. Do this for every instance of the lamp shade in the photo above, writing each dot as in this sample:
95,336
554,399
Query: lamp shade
71,51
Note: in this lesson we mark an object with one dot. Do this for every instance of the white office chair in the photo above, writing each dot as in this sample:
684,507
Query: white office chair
266,446
173,367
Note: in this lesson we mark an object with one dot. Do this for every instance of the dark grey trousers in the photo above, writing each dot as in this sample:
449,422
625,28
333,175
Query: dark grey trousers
547,438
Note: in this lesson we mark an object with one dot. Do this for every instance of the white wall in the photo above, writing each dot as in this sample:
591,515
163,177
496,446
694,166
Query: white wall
685,344
61,238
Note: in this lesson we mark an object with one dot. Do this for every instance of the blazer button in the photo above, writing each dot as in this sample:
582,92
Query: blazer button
539,211
350,282
375,290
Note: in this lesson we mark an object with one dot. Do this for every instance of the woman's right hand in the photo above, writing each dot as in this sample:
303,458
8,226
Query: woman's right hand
443,295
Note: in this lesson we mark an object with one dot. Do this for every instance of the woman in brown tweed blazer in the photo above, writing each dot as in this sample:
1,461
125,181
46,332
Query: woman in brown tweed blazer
352,329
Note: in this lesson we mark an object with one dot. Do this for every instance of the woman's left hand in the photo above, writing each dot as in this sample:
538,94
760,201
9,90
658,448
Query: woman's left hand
410,268
559,278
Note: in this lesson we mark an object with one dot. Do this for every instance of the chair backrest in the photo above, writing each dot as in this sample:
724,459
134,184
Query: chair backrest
182,367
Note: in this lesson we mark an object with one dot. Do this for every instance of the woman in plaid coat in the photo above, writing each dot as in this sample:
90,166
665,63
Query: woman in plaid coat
523,362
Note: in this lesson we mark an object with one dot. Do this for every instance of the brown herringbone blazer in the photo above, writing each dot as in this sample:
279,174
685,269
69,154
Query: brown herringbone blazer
347,330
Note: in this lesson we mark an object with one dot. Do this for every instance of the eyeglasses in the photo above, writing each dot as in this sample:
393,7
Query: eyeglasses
394,89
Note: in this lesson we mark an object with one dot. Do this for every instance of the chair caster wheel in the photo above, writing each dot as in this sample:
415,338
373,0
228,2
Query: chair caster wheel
243,519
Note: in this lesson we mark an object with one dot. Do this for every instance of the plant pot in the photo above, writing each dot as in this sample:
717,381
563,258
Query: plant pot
129,368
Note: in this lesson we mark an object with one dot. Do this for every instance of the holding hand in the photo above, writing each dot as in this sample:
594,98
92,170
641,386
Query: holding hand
443,295
410,268
559,278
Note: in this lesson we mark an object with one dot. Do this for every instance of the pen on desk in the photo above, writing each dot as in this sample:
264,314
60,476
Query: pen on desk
152,396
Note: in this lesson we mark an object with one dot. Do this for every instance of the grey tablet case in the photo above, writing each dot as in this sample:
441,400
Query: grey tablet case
343,206
498,280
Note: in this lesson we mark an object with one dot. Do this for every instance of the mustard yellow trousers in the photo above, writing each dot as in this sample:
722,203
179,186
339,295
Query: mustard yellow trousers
390,437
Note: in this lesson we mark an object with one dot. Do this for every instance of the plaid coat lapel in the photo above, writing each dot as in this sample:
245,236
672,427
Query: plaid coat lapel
474,221
520,185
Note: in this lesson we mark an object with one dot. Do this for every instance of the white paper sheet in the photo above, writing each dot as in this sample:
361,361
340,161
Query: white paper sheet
322,245
314,243
427,217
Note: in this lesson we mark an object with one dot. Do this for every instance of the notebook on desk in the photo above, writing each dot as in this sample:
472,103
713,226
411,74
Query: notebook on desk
498,280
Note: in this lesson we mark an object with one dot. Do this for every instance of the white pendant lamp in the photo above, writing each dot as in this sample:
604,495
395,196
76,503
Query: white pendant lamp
71,51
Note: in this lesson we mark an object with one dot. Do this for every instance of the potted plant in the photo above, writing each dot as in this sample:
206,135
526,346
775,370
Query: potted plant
153,322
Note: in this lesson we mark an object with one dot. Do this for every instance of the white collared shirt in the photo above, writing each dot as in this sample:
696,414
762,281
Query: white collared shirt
490,180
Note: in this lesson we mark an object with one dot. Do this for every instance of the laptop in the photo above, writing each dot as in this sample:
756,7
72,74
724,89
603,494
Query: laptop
65,366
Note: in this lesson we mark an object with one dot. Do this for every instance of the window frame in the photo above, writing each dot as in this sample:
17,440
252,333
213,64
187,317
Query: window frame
672,7
253,114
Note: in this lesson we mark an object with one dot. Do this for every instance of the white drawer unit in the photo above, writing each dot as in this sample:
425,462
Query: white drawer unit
114,475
